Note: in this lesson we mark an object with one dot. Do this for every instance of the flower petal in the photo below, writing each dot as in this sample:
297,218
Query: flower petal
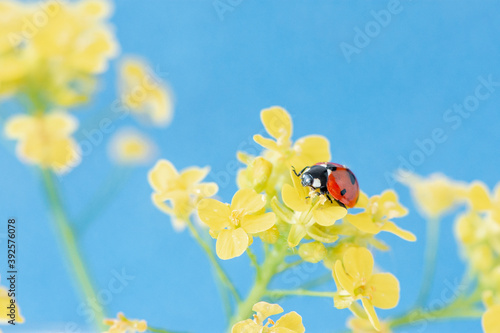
292,198
246,326
479,197
291,321
392,228
491,320
321,235
372,315
346,282
214,213
358,263
248,200
265,142
265,309
205,189
277,122
310,150
161,175
297,232
363,222
193,175
384,290
253,224
327,215
231,243
19,126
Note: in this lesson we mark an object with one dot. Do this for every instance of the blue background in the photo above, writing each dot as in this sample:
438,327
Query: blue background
223,72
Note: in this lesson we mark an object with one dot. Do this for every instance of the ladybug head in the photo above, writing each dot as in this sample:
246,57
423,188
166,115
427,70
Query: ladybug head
307,179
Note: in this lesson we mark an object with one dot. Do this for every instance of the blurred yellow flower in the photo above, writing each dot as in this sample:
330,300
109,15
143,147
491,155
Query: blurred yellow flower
124,325
434,195
379,210
491,320
233,225
4,304
289,323
178,194
355,281
310,212
53,50
361,325
144,93
481,200
130,147
45,139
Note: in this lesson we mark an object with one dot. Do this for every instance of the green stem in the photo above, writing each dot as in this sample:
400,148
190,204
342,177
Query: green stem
70,247
104,196
268,269
300,292
220,272
161,330
253,260
431,247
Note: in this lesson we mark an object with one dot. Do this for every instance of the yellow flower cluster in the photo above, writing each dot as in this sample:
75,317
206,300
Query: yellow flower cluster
477,229
45,139
288,323
52,51
124,325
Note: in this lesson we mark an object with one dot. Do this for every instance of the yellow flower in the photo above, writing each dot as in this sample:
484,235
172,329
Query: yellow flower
491,320
52,51
361,325
5,302
436,194
124,325
282,153
144,93
45,139
233,225
355,281
289,323
178,194
312,252
481,200
256,174
379,210
130,147
311,212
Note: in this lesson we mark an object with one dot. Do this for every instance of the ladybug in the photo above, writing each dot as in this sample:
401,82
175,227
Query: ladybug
331,179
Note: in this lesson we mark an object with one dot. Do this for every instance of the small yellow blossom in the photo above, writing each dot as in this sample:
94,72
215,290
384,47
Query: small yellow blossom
52,51
379,210
124,325
130,147
436,194
233,225
355,281
256,174
289,323
45,139
310,213
312,252
5,302
491,320
178,194
144,93
361,325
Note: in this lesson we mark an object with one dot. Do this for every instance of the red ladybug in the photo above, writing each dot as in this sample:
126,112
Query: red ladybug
331,178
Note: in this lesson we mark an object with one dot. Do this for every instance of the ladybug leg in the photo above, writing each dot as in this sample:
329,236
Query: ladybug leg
340,204
301,171
328,196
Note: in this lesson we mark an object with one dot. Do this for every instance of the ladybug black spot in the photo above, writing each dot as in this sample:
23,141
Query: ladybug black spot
342,192
353,179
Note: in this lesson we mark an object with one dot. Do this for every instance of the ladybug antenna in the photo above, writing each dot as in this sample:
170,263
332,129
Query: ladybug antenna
301,171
